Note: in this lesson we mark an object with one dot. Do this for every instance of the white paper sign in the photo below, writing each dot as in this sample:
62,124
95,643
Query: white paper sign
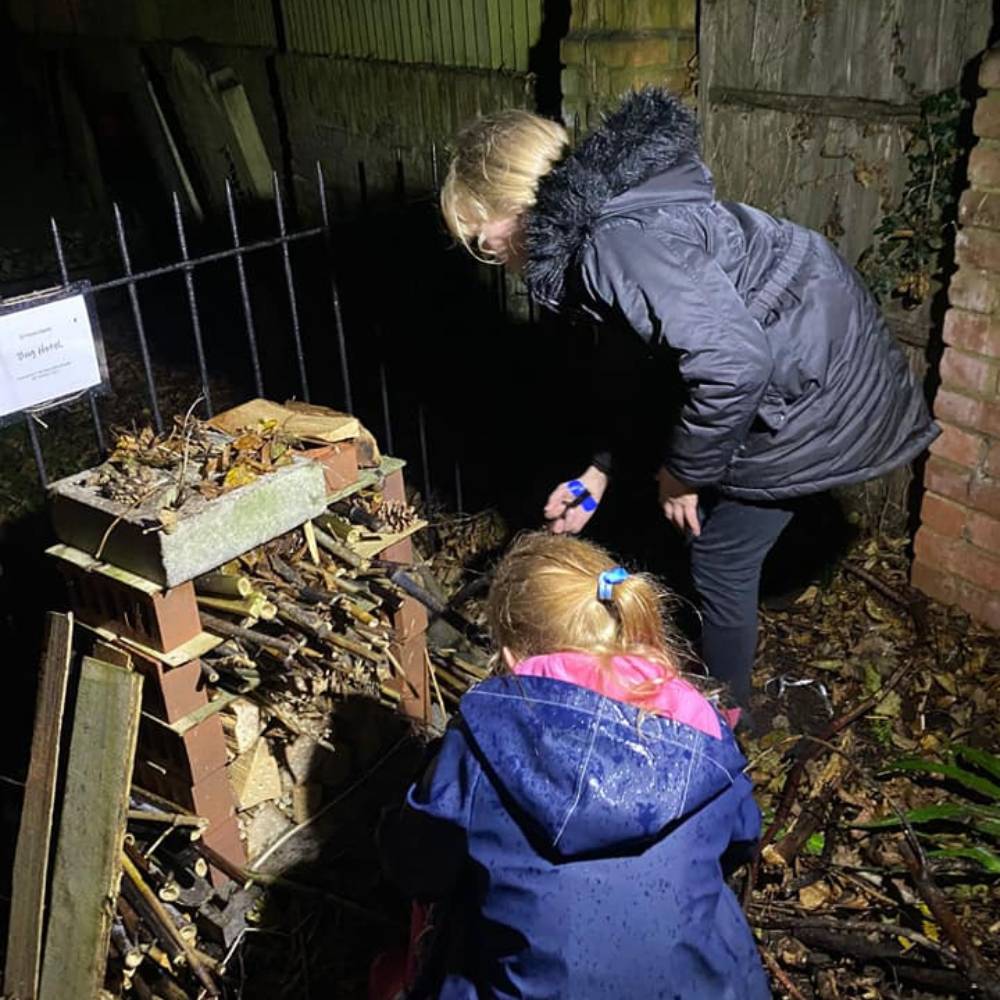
46,352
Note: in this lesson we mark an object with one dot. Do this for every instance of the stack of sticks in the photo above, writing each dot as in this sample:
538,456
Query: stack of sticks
172,933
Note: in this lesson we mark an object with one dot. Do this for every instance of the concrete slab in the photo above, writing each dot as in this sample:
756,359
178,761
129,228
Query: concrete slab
207,533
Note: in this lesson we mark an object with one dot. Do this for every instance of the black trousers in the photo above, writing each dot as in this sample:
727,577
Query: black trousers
726,561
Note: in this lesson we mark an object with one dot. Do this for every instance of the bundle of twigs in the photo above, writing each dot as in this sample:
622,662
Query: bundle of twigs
172,933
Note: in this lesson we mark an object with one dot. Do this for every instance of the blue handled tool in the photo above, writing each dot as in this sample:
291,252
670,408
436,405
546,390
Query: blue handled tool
581,496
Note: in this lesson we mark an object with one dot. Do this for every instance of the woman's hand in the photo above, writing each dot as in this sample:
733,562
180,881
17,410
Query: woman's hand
565,515
679,504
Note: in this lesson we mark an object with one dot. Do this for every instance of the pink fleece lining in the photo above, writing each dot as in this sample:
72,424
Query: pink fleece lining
674,698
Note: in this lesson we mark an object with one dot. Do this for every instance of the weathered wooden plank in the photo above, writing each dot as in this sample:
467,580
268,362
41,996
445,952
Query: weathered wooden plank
496,39
507,45
31,862
457,27
470,13
92,826
828,105
519,22
418,14
835,175
886,50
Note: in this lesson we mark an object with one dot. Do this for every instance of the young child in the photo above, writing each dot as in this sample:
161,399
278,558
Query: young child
785,380
584,805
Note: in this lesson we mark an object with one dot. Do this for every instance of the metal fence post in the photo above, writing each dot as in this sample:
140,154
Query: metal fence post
292,301
193,305
140,327
244,292
345,373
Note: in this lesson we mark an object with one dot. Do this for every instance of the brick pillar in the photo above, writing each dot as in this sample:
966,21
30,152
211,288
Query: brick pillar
958,544
615,45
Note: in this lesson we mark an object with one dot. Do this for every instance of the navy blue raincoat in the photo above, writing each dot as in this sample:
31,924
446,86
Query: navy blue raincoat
582,846
789,380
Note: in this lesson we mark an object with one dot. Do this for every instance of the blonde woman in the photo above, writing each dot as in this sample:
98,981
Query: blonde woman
790,382
583,805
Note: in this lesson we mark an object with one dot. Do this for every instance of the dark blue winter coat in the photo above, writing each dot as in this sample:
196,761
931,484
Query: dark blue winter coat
791,381
582,845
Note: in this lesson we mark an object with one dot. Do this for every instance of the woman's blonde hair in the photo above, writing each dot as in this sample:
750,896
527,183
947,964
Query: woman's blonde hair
498,161
544,599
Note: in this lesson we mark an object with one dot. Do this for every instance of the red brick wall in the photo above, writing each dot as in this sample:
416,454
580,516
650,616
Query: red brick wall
958,543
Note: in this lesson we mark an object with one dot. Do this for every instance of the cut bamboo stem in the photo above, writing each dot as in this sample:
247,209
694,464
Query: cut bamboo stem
342,552
222,627
223,585
158,918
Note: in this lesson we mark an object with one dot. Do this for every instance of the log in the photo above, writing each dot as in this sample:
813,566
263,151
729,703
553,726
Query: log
24,937
92,826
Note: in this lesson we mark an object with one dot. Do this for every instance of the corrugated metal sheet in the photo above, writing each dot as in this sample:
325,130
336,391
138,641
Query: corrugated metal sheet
484,34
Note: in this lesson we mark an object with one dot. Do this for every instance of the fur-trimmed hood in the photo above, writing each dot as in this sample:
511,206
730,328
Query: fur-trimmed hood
644,137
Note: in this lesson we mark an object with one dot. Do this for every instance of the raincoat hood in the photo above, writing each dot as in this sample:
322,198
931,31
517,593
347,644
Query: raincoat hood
586,774
649,133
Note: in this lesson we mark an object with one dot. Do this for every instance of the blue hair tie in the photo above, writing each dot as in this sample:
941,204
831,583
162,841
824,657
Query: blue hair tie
588,503
607,580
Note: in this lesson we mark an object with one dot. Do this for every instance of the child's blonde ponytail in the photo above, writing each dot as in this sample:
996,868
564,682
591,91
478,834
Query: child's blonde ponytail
546,598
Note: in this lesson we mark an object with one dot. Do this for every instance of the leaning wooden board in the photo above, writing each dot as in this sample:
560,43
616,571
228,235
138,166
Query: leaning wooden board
91,830
31,863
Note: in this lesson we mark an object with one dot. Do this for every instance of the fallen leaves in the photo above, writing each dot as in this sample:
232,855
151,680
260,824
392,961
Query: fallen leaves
851,638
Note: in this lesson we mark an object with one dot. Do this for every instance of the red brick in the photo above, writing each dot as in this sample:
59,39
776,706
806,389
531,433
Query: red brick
946,479
412,657
991,466
942,516
191,756
936,583
972,332
974,414
974,289
979,248
984,532
393,487
958,447
211,798
340,464
170,693
989,70
984,495
977,566
934,549
968,373
400,552
225,840
979,208
958,557
986,120
983,605
161,620
409,620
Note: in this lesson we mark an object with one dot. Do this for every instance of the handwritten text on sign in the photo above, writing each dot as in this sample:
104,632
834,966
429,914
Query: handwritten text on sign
46,352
